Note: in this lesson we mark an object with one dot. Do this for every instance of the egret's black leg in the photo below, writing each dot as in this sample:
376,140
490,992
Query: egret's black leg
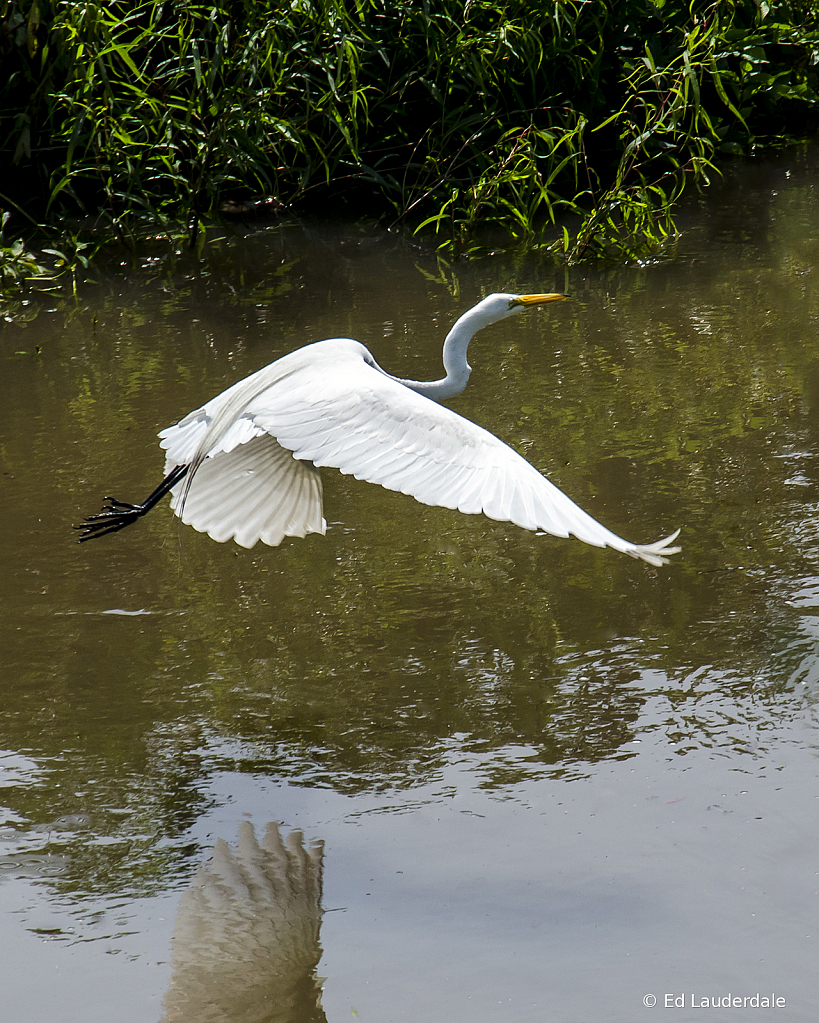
116,515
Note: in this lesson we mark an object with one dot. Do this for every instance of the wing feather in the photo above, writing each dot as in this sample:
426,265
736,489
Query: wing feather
257,491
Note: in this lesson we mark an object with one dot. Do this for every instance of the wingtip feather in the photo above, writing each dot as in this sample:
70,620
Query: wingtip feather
657,553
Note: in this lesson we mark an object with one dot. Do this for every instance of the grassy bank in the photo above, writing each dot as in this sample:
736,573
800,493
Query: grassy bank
441,116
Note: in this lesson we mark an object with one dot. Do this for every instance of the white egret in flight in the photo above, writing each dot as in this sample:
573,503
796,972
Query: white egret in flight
245,465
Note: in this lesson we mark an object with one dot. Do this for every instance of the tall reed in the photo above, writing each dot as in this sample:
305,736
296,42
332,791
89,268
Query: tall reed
452,117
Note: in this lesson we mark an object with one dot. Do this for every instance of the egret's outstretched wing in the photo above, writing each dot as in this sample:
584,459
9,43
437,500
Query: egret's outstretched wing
330,405
249,488
257,491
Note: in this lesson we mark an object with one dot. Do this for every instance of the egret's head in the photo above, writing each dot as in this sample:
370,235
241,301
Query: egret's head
499,306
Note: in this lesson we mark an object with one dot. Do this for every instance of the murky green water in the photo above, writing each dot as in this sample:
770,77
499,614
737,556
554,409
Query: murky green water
550,781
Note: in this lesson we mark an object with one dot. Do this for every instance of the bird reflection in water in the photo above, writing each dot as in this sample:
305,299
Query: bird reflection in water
246,943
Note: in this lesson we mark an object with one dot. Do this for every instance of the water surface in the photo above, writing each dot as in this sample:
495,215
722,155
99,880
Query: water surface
549,781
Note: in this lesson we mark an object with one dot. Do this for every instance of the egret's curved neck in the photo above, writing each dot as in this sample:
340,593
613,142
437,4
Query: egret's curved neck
455,364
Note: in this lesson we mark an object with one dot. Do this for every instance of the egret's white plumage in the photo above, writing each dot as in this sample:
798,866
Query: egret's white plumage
252,453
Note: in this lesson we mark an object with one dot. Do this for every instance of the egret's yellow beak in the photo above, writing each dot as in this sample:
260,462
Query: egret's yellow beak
526,300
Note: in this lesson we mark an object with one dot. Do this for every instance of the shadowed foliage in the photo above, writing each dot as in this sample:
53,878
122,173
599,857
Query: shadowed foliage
482,122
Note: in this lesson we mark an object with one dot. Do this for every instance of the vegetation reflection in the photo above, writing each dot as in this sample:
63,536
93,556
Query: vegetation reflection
409,636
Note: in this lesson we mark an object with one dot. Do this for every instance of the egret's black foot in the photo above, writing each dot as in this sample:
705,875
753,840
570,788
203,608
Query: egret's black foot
116,515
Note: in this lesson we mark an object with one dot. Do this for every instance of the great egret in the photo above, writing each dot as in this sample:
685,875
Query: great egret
245,465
